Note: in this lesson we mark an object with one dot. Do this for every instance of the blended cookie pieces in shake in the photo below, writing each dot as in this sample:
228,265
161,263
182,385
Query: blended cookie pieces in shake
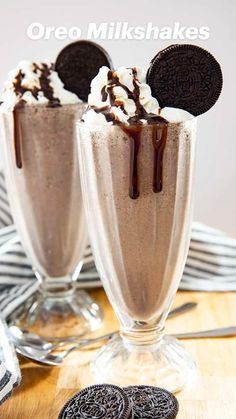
139,160
145,192
38,117
39,110
136,156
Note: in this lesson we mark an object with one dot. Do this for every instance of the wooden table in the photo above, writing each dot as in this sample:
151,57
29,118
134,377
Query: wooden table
43,390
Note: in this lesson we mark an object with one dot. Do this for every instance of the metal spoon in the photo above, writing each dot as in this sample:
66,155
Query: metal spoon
39,356
221,332
25,338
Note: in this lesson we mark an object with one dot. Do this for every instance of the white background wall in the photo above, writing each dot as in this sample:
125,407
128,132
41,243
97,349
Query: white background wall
216,154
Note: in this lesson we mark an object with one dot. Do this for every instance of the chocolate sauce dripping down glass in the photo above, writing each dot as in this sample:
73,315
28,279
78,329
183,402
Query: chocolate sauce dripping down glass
134,130
159,137
19,89
17,138
135,136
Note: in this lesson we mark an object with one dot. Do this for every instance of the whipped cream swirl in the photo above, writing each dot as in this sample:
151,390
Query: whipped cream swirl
124,97
120,96
35,83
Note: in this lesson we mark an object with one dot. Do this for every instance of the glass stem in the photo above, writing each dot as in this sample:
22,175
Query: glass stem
142,335
56,287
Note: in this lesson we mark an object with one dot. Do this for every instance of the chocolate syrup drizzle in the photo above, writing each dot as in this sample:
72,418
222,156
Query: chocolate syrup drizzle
19,90
134,130
134,133
17,138
159,137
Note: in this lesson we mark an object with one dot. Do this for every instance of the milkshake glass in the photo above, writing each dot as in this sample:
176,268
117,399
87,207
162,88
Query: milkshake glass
137,183
42,176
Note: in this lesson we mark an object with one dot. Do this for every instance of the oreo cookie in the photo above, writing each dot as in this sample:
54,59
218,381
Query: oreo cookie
78,63
103,401
186,77
152,402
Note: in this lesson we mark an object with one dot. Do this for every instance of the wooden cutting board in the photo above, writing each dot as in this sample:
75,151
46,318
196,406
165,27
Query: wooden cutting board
44,390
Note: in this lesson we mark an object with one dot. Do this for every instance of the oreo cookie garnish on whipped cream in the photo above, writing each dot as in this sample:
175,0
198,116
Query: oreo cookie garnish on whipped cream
33,83
185,76
124,97
78,63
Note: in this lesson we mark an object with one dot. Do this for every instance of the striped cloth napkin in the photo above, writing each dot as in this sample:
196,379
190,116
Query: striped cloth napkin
9,367
211,261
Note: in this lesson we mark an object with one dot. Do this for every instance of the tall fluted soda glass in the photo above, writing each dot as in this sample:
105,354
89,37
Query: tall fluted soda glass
137,184
42,174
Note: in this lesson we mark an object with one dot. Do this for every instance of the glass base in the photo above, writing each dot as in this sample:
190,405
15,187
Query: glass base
66,314
165,364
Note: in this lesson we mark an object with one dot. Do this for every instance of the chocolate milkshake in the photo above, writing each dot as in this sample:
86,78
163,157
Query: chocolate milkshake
139,180
136,151
37,118
39,106
136,164
139,212
44,189
42,169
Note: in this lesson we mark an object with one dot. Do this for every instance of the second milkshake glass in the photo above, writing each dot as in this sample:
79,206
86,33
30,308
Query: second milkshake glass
42,175
137,188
